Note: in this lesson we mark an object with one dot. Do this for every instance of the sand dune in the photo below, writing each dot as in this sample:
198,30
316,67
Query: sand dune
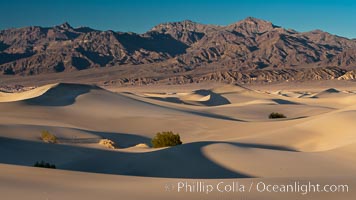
9,97
327,93
226,135
198,97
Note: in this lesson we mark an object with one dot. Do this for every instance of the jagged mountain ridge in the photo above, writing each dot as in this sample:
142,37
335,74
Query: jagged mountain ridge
250,44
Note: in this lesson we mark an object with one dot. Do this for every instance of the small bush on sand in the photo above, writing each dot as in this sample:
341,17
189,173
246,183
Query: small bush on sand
44,165
166,139
48,137
276,115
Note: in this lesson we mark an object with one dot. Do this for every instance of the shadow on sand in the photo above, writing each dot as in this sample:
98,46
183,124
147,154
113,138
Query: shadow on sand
63,94
214,99
184,161
122,140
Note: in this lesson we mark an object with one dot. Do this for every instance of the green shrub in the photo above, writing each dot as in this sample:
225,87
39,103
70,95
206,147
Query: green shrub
166,139
48,137
44,165
276,115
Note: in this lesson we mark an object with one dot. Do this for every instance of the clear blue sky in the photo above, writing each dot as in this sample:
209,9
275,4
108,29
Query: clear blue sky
337,17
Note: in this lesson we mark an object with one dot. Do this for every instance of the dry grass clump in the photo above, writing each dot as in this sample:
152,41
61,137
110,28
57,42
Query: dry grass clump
107,143
48,137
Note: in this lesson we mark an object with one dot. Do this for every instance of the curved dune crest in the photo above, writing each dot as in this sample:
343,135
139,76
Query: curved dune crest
259,162
61,94
220,96
231,89
292,94
10,97
330,131
327,93
52,94
205,97
198,98
320,133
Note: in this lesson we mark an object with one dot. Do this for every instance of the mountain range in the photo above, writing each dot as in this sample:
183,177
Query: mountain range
251,49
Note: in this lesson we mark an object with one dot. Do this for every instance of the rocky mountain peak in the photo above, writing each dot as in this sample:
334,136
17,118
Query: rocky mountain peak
186,25
65,26
252,25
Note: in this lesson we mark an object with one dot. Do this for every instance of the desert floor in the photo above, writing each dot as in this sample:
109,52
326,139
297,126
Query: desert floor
226,133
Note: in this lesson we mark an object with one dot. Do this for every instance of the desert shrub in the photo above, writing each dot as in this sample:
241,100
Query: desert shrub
276,115
44,165
166,139
48,137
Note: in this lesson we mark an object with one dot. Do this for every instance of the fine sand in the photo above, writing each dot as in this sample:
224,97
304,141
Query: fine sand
226,133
